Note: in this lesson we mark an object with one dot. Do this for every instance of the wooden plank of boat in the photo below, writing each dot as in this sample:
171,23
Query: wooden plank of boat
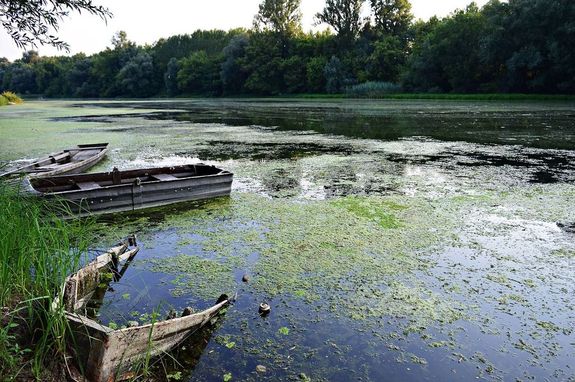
70,161
103,353
130,190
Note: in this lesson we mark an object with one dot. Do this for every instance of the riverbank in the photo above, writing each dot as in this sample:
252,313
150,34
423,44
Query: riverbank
37,252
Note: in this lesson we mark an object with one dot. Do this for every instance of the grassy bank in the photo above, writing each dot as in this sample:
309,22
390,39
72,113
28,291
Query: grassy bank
433,96
37,251
473,97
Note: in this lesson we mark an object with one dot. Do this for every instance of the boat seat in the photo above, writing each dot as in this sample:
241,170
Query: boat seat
60,157
164,177
88,185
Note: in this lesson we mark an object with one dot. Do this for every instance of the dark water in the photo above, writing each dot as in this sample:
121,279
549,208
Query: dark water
396,241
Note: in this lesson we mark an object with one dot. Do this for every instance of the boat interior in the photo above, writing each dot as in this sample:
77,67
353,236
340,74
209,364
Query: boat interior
95,181
78,154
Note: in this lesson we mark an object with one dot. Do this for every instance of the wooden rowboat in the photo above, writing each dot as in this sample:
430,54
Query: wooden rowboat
70,161
133,189
105,354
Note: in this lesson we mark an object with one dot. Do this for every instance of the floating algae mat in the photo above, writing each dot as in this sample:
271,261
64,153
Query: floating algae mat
393,240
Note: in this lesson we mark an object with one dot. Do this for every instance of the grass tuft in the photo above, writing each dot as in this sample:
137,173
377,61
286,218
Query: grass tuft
9,98
37,252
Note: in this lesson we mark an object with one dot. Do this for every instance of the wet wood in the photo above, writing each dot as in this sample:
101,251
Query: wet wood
105,354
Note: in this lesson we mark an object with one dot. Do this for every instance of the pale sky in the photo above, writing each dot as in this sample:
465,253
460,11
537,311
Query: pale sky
147,21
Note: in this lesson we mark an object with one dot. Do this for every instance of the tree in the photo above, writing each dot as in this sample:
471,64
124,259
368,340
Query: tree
81,79
264,57
530,45
30,57
22,79
50,78
199,74
170,77
344,16
135,77
233,71
120,41
387,60
279,16
30,22
449,58
294,74
315,74
392,17
334,76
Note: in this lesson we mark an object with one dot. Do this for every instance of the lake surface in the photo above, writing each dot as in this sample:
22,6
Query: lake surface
394,240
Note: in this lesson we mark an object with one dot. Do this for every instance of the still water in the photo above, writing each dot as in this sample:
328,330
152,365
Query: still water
394,240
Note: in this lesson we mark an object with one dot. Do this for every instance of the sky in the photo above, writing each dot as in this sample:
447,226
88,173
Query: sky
145,22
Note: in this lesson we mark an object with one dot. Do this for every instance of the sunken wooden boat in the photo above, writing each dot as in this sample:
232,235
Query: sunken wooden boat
133,189
105,354
71,161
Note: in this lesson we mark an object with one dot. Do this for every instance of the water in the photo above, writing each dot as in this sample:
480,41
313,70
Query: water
394,240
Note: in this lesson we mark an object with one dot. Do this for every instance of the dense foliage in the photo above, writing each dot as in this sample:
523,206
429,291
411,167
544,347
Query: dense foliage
521,46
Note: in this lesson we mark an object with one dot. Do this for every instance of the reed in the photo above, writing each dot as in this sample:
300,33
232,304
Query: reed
37,252
7,98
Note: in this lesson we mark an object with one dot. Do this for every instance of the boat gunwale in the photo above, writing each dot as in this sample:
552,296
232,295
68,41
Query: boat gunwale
29,186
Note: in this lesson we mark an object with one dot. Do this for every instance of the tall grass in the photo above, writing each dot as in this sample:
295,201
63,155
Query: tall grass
37,252
7,98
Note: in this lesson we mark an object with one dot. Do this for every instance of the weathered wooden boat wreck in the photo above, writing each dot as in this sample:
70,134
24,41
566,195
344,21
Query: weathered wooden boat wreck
133,189
104,354
71,161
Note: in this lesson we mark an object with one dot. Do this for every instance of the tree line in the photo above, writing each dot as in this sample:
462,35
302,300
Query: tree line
519,46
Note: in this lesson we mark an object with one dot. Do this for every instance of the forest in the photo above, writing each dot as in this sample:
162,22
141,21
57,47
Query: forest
518,46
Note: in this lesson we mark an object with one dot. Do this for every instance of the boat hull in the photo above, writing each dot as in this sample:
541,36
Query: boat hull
106,354
140,188
71,161
73,167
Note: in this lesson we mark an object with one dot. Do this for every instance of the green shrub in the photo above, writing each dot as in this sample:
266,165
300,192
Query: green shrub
10,97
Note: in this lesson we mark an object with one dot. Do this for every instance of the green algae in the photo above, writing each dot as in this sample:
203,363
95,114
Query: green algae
379,211
564,253
347,261
195,276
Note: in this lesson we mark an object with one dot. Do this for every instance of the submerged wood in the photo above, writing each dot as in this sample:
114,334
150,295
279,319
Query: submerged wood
71,161
133,189
105,354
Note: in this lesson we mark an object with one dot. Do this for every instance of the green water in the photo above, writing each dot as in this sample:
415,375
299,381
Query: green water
394,240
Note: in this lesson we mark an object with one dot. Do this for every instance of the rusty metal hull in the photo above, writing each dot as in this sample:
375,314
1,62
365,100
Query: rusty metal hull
136,189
